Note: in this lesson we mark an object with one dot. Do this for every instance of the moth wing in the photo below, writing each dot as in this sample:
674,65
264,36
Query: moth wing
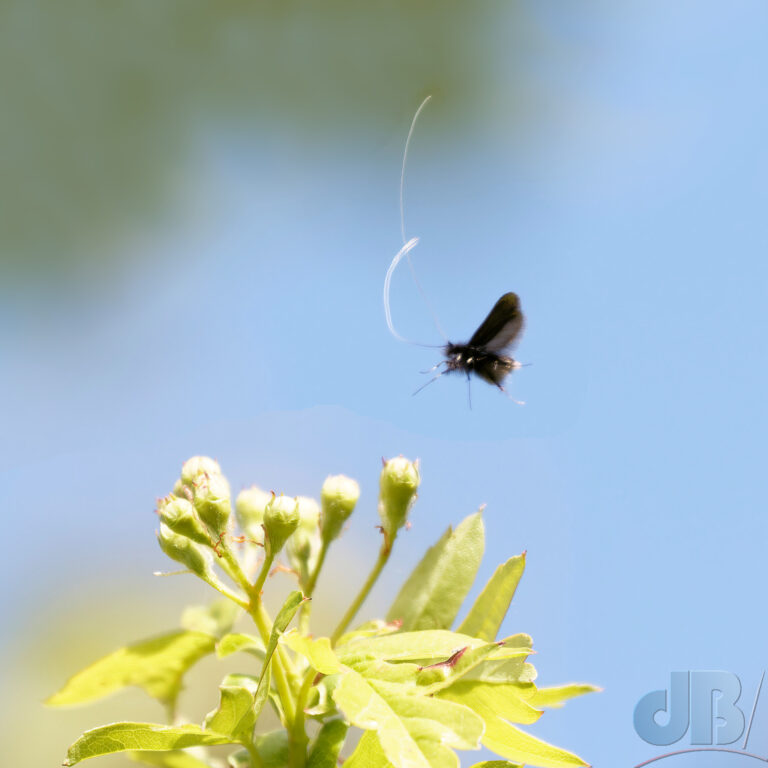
502,327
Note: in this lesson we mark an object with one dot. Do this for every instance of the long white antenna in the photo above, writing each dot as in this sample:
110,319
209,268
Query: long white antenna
407,246
405,160
404,251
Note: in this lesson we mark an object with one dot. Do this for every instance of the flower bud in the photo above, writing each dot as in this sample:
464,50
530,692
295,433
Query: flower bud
212,501
180,516
249,508
338,498
281,518
304,545
184,551
196,466
398,484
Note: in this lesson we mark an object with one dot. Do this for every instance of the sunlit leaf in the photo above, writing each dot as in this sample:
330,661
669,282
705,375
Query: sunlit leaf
235,715
156,665
488,611
282,620
318,652
558,695
368,753
427,646
215,619
504,700
168,759
121,737
496,764
272,747
506,740
238,641
434,592
327,745
414,731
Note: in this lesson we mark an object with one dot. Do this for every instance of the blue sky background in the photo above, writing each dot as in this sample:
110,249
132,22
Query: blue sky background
630,218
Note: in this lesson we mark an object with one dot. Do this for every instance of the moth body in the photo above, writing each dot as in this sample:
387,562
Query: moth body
489,366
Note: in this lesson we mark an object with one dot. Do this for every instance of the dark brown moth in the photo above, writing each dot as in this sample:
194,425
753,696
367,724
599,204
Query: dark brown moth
485,353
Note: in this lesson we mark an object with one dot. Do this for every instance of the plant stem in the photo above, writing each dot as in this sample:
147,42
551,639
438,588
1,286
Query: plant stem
384,553
309,588
256,761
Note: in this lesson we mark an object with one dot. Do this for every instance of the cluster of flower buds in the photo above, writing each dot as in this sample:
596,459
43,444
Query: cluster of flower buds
197,516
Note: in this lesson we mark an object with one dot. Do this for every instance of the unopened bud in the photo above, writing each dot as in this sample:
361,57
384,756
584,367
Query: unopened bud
196,466
183,550
281,519
304,545
249,508
180,516
398,484
338,498
212,501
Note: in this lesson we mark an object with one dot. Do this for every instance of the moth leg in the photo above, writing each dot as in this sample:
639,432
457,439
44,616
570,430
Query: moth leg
434,378
517,402
435,366
469,392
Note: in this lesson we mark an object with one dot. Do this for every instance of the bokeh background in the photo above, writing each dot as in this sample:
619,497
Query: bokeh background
198,203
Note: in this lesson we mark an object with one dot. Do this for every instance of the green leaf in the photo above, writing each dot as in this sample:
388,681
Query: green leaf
370,629
496,764
121,737
235,715
327,745
558,695
215,619
368,753
414,731
427,646
488,611
282,620
516,670
238,641
504,700
175,759
317,652
434,592
508,741
272,748
156,665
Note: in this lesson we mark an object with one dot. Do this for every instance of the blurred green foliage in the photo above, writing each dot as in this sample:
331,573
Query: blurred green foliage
105,103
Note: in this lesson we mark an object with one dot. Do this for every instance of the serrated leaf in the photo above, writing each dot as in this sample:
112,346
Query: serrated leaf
239,641
504,700
121,737
427,646
282,620
168,759
327,745
434,592
556,696
368,753
372,628
215,619
506,740
515,670
272,747
496,764
157,665
414,731
235,715
488,611
318,652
